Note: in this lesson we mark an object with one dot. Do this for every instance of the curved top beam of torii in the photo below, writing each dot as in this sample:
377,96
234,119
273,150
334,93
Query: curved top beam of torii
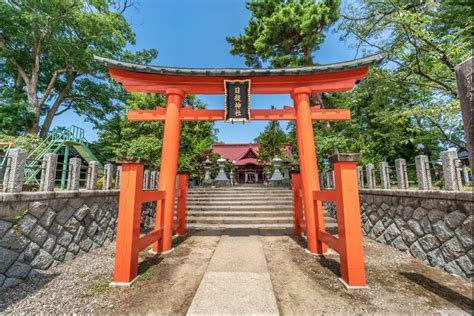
322,78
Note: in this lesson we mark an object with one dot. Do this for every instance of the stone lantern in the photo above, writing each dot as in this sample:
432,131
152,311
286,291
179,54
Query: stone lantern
207,176
221,178
277,177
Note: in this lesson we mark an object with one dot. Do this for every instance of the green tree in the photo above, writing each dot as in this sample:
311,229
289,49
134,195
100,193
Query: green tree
411,101
271,141
382,127
284,32
122,138
14,113
48,47
423,40
387,122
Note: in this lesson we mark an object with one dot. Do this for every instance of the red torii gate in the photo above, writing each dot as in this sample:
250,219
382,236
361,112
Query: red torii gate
300,83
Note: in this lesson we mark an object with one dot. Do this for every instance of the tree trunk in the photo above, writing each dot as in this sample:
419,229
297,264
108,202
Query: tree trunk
464,75
54,108
33,102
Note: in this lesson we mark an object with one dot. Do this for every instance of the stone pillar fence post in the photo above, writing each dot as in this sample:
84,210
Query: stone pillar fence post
74,174
108,171
369,169
451,170
465,175
92,174
153,179
402,176
15,172
423,174
118,173
48,172
330,183
385,175
146,179
360,176
327,175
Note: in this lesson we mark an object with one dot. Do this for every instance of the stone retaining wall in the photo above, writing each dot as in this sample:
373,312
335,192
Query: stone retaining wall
433,226
40,229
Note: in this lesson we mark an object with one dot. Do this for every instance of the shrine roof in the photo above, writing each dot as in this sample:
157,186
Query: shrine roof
238,152
244,72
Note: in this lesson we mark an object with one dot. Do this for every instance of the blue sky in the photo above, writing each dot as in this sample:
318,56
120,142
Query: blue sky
191,33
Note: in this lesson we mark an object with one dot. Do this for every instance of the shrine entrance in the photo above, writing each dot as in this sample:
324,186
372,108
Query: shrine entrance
238,85
250,174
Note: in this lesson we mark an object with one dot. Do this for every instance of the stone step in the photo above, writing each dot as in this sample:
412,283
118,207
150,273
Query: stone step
239,207
242,198
237,192
237,196
240,202
241,191
217,226
238,188
240,213
240,220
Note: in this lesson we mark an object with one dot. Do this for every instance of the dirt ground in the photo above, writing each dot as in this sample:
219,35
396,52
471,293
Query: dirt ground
303,284
397,282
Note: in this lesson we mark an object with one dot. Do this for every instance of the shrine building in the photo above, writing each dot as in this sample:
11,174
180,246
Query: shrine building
245,159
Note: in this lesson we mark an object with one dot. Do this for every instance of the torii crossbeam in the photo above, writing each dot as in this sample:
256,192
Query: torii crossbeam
300,83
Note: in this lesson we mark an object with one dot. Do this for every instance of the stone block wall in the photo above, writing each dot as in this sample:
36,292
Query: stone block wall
41,229
433,226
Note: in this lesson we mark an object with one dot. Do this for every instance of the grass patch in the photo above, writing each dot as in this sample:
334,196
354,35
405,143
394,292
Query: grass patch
16,220
95,288
144,277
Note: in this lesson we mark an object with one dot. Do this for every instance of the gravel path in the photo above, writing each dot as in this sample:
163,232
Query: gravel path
68,287
166,285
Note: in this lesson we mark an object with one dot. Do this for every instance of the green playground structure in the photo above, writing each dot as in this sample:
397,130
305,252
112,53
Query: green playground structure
59,140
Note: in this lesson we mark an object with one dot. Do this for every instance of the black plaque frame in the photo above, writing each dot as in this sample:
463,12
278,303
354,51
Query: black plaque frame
229,116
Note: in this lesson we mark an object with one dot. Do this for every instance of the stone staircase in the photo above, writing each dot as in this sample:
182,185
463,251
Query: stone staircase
240,207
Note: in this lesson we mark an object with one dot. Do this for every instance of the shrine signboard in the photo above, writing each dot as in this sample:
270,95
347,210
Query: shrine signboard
237,100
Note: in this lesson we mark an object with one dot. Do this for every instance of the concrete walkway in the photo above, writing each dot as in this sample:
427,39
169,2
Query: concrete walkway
237,280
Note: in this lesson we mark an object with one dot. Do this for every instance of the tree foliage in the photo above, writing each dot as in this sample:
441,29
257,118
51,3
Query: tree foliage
122,138
271,141
423,40
48,46
284,32
407,106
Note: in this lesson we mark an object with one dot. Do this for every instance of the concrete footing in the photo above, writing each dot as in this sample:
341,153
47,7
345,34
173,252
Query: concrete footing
352,287
122,284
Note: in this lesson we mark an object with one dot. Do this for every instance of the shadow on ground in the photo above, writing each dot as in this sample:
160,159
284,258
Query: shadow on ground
153,260
27,288
440,290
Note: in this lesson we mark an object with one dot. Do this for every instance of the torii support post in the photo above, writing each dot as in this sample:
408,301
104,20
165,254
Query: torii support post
181,216
129,241
309,169
348,220
169,167
298,220
349,241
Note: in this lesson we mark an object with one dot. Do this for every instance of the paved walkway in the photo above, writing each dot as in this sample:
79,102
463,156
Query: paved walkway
237,280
